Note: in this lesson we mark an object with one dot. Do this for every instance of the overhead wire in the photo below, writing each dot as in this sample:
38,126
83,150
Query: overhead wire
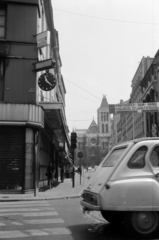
80,120
82,89
107,19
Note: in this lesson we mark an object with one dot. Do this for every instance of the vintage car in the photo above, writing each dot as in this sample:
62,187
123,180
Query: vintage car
125,187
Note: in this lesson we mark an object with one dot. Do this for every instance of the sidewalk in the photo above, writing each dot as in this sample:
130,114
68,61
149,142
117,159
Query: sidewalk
63,190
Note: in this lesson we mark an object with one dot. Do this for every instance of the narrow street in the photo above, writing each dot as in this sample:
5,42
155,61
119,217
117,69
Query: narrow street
54,219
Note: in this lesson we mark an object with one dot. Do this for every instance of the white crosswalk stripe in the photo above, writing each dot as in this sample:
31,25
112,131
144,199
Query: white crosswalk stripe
36,214
23,209
14,216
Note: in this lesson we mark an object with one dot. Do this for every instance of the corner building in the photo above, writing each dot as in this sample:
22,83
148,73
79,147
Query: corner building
33,126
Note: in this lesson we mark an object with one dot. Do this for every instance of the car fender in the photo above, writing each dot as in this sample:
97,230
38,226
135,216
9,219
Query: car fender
130,195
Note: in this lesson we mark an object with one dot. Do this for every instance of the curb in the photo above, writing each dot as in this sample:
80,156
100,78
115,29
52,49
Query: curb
40,199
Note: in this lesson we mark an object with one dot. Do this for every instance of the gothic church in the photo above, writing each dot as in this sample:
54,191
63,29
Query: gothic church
94,142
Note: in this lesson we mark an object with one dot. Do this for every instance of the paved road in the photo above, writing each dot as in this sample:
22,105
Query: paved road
55,219
23,220
41,220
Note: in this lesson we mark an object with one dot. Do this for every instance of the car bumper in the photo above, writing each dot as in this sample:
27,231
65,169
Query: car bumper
87,206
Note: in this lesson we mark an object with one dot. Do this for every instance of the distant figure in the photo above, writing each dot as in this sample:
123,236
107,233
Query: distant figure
62,173
154,159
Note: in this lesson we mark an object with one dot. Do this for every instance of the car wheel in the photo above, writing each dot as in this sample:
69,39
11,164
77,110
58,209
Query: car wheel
143,224
112,217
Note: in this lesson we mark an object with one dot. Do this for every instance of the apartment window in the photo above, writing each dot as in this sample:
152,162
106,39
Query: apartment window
1,79
2,22
106,128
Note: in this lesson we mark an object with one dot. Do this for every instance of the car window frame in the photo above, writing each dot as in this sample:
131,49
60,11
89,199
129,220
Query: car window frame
128,164
150,155
104,161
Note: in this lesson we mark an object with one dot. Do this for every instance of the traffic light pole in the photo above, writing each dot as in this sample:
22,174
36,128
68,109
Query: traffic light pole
73,172
73,146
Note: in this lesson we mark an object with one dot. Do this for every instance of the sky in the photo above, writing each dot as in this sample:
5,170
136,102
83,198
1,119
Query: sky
101,45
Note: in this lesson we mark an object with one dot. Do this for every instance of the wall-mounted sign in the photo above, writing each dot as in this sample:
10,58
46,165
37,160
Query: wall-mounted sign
47,81
137,107
43,39
44,65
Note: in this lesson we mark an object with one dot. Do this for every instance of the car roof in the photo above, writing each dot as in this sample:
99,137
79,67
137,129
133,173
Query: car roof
138,140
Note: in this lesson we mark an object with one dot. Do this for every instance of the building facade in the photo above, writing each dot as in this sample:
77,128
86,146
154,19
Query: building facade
33,126
94,142
145,89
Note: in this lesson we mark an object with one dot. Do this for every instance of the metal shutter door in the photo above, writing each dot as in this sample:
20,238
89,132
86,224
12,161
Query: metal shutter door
12,157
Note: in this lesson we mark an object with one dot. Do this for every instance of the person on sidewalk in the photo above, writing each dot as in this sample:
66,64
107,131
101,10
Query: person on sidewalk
49,174
62,173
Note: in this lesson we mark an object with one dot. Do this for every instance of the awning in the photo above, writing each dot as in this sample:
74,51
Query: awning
55,117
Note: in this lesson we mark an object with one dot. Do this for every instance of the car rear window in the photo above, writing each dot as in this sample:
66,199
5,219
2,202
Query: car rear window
113,157
138,158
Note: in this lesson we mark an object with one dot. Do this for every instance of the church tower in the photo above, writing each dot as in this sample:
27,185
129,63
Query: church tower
104,125
94,142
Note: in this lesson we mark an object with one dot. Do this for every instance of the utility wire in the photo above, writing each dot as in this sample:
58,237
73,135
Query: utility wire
84,98
80,120
82,88
107,19
80,111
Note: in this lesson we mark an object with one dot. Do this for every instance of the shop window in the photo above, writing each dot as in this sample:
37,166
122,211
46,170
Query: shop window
2,22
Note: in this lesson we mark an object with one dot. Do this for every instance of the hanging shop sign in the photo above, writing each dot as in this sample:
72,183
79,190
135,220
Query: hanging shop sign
43,39
44,65
137,107
47,81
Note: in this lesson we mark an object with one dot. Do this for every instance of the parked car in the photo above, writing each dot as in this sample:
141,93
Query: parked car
125,186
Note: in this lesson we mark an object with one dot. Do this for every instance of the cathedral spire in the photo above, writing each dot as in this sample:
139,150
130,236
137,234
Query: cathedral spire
104,103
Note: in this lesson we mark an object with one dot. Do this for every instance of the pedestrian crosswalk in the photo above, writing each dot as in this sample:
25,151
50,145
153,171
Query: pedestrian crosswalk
29,219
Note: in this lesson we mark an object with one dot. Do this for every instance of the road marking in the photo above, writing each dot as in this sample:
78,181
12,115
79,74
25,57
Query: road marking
36,209
43,221
17,223
39,214
36,214
35,232
25,209
23,202
12,234
26,205
57,231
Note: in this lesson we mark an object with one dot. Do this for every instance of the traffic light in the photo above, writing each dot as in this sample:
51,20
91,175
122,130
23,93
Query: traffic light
73,140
